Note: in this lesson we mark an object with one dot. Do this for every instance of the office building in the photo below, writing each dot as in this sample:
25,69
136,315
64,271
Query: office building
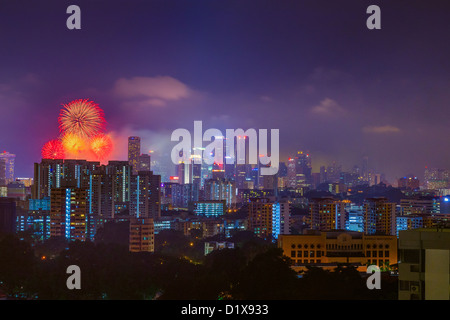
7,167
134,152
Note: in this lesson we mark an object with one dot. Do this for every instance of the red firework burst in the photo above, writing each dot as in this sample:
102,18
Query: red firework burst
53,150
101,146
81,117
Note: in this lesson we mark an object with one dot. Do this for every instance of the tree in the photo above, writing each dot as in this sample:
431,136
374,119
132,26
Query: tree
267,276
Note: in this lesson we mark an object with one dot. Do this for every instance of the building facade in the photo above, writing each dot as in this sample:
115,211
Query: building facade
330,249
424,268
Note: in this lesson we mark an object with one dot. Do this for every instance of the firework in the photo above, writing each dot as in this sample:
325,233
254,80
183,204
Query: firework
101,145
53,150
74,144
81,117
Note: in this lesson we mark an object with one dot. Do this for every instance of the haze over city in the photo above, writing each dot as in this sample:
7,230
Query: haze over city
309,68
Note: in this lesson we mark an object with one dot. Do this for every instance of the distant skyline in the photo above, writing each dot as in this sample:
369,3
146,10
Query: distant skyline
308,68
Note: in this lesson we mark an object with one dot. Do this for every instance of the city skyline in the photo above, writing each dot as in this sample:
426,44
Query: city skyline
311,69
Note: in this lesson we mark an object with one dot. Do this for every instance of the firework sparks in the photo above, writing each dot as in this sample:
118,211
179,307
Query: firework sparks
101,145
74,144
53,150
81,117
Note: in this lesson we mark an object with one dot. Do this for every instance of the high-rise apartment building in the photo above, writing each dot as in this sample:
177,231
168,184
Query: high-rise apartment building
60,173
420,205
327,214
379,216
281,216
68,213
260,217
221,189
145,195
142,232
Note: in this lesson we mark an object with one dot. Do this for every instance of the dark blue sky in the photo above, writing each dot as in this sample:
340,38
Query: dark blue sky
309,68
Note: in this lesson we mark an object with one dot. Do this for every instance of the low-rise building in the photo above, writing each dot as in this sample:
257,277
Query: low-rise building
328,249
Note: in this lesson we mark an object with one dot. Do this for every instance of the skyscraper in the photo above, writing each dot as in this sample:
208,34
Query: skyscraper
8,159
365,169
134,151
299,170
2,172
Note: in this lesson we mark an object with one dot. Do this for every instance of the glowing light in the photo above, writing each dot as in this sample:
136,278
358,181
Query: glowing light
81,117
53,150
101,145
73,143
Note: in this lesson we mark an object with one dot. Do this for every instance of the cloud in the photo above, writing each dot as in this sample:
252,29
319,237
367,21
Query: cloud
152,91
327,107
381,129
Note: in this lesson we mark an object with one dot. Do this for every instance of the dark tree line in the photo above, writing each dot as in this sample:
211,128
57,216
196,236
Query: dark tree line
252,270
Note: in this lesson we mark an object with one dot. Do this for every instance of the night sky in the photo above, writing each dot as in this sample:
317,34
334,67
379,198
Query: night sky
309,68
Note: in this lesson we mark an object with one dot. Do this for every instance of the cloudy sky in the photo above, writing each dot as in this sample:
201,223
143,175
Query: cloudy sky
309,68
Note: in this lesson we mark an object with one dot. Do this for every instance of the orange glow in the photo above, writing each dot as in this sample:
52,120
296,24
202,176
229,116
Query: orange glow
74,144
101,145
